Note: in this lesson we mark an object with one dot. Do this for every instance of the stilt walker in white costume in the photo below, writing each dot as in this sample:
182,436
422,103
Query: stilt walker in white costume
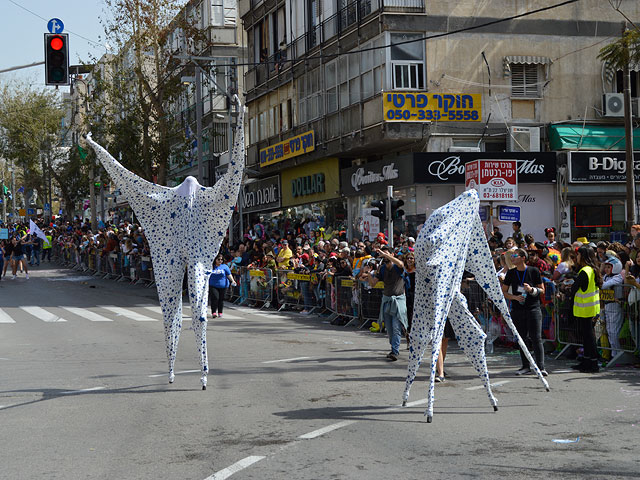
452,241
185,226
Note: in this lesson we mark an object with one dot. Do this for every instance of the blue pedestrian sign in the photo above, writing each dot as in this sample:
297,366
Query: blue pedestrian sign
484,212
55,25
508,214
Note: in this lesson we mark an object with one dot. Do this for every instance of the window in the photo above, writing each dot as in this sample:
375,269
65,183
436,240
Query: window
309,96
525,80
224,13
407,61
635,82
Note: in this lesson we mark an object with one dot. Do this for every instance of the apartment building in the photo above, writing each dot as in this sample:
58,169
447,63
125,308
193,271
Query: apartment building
363,94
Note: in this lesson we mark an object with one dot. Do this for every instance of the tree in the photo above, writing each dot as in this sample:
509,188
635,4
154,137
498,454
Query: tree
71,176
30,125
144,81
619,55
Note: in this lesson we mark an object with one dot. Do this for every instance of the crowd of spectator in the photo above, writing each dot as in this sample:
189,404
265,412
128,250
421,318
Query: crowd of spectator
319,259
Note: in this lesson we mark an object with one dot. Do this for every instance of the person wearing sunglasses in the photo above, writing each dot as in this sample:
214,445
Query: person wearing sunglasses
523,286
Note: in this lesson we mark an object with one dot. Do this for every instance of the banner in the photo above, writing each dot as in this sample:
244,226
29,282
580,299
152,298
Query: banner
423,107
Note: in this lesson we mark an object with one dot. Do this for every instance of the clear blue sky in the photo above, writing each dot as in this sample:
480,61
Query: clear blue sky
22,33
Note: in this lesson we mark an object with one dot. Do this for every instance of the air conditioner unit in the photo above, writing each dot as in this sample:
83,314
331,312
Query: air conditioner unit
464,149
524,139
613,104
635,107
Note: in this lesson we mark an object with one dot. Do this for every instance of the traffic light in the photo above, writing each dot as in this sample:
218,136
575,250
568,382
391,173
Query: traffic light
381,213
97,184
396,212
56,59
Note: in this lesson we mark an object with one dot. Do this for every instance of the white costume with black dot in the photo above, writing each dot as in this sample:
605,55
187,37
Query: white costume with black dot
185,226
451,241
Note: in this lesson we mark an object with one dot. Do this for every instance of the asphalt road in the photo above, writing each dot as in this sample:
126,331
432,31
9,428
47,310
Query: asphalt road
84,395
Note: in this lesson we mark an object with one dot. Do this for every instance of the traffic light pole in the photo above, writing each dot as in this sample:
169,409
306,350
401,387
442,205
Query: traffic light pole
390,215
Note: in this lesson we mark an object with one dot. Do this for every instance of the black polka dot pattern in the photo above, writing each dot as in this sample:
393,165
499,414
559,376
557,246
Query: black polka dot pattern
452,240
185,226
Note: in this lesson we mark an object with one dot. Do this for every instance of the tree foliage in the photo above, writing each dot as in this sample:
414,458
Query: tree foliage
622,52
138,85
30,126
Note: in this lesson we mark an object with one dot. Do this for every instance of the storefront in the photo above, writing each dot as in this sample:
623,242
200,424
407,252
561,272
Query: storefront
311,197
362,184
260,199
596,195
440,178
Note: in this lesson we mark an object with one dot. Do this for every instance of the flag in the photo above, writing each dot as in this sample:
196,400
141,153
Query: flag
33,228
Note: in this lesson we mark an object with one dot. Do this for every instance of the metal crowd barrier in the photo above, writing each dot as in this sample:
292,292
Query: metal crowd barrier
369,299
616,329
261,287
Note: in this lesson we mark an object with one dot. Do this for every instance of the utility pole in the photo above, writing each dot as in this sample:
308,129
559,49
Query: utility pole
92,198
199,124
632,215
389,215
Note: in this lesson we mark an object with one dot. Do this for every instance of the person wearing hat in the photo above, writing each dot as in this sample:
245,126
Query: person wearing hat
586,306
612,313
536,261
523,286
284,256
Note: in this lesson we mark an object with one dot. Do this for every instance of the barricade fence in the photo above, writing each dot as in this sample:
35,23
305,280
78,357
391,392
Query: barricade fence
355,301
119,266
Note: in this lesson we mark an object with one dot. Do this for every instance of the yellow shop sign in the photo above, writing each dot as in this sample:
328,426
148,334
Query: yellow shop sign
424,107
293,147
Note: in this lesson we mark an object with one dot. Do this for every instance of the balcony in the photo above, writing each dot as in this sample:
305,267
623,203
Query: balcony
347,19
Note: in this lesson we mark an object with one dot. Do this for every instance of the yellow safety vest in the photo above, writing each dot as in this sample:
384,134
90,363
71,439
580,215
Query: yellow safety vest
586,303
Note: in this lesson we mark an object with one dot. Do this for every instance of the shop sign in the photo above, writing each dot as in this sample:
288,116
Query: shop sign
375,176
293,147
261,195
507,213
434,168
307,185
422,107
310,183
610,167
493,179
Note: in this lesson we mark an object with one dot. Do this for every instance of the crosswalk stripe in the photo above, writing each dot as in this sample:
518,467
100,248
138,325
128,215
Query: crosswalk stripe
158,309
42,314
128,313
88,314
5,318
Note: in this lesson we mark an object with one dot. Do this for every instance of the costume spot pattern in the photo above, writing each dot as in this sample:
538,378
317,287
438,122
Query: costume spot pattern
451,241
185,227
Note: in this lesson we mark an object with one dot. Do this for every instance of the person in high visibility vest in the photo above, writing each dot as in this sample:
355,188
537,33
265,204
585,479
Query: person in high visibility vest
586,305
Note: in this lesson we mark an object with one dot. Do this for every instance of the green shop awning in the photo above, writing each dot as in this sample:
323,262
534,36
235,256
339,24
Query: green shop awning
590,137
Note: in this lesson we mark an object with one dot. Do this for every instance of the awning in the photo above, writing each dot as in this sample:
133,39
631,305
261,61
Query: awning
522,60
590,137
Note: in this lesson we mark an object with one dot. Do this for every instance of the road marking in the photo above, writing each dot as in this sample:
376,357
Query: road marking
159,310
287,360
177,373
42,314
128,313
5,318
235,468
88,314
565,371
497,384
84,390
327,429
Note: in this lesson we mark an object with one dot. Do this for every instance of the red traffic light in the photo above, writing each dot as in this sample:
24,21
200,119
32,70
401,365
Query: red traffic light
56,43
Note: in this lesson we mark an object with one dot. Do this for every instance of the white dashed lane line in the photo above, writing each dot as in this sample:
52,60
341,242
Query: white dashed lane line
177,373
287,360
327,429
84,390
497,384
235,468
